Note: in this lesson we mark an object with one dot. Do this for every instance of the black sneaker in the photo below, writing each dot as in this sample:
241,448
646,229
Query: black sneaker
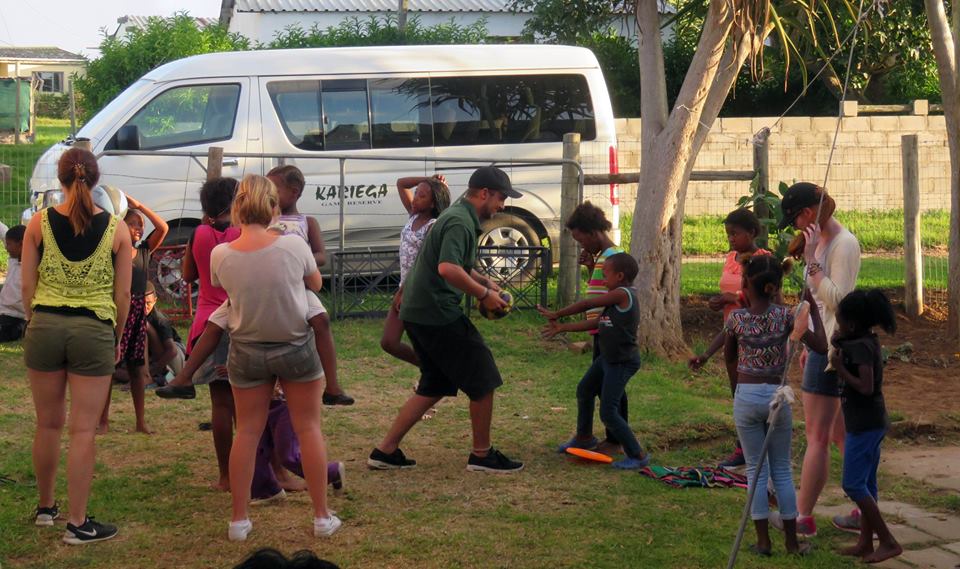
176,392
380,460
339,399
89,532
495,461
46,516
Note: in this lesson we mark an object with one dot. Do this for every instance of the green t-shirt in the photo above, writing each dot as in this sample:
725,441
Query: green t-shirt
427,297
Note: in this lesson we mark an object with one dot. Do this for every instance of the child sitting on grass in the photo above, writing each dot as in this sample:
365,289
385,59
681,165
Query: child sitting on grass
619,358
756,342
12,323
278,436
859,365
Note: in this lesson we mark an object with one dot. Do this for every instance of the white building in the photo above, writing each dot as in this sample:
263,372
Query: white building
261,20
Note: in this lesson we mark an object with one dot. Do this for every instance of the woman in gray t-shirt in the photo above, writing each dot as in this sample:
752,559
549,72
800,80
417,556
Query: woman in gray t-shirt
264,275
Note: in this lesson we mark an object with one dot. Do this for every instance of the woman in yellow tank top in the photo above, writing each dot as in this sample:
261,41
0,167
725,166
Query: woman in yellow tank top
76,294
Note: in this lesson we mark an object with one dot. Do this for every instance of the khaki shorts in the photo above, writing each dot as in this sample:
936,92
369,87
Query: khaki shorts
78,344
251,364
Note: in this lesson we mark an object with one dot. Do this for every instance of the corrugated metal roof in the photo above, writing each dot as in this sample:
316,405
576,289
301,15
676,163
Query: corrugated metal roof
371,5
38,54
142,21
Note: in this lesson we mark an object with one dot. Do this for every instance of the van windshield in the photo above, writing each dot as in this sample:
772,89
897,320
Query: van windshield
108,115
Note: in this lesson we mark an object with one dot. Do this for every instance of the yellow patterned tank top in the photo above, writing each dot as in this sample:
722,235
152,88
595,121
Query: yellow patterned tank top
77,284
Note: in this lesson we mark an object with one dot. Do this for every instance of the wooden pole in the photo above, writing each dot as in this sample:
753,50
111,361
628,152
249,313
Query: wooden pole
402,7
569,198
16,110
73,110
214,162
912,257
761,165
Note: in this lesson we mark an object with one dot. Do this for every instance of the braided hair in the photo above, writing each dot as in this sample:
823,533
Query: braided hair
764,273
441,196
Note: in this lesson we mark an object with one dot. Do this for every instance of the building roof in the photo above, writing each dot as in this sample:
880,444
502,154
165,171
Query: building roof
39,54
142,21
371,5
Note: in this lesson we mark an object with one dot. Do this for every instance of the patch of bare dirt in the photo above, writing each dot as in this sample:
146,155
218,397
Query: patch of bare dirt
922,377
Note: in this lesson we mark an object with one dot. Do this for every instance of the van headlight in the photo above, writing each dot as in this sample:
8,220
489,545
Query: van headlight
49,198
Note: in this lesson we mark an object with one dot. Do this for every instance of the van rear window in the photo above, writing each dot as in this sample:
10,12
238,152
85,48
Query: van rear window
441,111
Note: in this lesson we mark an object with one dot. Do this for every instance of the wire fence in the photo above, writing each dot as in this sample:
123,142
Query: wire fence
865,179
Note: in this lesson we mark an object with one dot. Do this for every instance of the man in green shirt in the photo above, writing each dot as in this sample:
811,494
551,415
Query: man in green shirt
453,355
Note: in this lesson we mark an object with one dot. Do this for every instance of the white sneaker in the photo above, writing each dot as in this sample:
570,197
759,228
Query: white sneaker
325,527
238,530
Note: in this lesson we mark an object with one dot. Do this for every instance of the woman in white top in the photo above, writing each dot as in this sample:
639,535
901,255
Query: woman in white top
832,258
264,276
424,199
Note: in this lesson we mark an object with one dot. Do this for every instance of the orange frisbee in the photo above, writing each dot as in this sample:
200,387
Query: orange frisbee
590,455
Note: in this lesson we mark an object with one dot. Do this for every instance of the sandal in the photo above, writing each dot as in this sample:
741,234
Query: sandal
176,392
338,399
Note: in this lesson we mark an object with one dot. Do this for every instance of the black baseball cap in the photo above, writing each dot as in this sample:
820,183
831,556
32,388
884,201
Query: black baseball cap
797,197
493,178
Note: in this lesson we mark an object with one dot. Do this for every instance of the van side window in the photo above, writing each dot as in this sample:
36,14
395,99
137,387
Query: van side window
188,115
298,106
510,109
346,119
400,109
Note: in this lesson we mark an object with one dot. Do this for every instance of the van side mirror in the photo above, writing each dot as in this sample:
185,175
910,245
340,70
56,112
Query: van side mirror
128,137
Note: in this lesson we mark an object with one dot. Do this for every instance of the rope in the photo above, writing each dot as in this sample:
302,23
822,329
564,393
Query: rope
784,394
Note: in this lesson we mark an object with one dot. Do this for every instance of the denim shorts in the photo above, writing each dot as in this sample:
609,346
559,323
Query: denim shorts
251,364
816,380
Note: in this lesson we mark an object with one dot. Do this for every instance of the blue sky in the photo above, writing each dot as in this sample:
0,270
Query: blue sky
75,25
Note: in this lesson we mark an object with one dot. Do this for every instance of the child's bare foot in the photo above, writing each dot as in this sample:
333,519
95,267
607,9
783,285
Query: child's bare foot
884,552
222,485
143,428
103,428
857,550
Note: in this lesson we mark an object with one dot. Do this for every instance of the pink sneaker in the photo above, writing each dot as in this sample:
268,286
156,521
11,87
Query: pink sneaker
806,526
849,523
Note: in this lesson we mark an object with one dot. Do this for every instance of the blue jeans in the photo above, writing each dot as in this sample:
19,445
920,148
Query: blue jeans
610,380
751,406
861,458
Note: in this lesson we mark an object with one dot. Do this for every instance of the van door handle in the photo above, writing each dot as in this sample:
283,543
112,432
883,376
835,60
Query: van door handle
230,162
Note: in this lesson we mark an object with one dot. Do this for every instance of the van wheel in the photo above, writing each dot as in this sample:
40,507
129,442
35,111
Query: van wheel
508,230
165,267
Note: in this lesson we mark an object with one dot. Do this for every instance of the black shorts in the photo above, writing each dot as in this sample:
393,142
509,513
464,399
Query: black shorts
453,357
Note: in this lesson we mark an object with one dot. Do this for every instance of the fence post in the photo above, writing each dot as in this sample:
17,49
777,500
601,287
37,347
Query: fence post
912,257
214,162
761,166
16,110
569,196
73,110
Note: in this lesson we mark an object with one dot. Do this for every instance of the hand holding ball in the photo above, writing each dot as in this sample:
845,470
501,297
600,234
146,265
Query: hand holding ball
496,310
110,200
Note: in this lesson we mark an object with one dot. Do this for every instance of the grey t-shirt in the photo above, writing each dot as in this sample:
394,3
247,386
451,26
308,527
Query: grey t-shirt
268,300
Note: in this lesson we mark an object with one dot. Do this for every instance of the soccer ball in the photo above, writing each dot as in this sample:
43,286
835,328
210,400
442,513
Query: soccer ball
110,200
497,314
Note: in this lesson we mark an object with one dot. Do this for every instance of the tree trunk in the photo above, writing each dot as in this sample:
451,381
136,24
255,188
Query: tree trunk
945,50
670,144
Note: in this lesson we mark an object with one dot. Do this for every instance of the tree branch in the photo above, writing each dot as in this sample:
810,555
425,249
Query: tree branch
653,83
705,65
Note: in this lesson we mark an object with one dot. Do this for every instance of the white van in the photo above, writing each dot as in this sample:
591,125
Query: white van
481,103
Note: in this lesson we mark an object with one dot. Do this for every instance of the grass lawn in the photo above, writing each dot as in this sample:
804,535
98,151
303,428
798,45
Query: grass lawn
701,277
21,158
876,230
554,514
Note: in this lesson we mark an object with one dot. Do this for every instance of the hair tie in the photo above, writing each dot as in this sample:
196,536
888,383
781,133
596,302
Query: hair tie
80,171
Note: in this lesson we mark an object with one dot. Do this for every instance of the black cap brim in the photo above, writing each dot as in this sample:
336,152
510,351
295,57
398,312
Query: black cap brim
511,193
786,222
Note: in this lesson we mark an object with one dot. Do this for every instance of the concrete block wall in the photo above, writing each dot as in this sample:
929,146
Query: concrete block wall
865,173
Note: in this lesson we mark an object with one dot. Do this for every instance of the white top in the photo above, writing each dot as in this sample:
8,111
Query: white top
11,296
268,300
840,260
410,242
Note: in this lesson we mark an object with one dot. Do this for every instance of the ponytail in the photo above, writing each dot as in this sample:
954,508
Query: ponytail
78,172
